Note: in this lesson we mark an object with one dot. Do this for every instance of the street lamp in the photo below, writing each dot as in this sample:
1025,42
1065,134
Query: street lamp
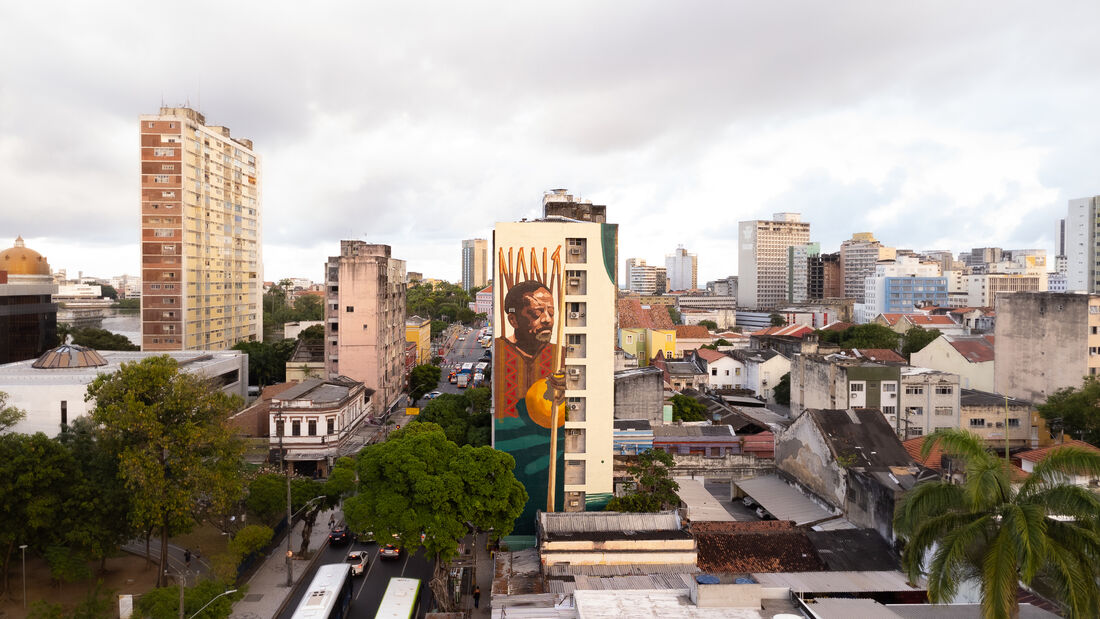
211,602
23,547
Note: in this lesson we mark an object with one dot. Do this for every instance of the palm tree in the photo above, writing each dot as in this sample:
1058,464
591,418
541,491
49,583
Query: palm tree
986,529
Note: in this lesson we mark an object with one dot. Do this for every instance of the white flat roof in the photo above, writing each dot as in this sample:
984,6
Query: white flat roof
784,501
837,582
701,504
21,372
596,604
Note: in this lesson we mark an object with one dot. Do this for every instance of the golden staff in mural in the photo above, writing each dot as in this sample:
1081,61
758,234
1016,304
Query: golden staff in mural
529,287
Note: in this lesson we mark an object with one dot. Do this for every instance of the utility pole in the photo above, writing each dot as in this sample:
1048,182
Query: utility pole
281,428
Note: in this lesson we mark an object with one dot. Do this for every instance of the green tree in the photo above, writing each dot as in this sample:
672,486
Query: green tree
129,304
777,320
316,333
861,336
685,408
654,489
1001,535
916,338
164,603
438,326
108,291
1077,411
267,360
98,604
709,324
102,339
64,330
422,379
454,414
9,415
674,314
466,315
420,482
309,307
167,429
267,497
782,391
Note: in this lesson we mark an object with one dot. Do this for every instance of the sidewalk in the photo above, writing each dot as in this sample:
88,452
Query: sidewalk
484,569
267,590
199,566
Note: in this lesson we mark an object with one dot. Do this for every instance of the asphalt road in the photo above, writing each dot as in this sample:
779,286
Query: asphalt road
468,351
369,588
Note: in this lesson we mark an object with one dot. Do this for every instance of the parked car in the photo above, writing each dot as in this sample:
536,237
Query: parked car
748,502
339,535
389,551
358,560
433,395
763,514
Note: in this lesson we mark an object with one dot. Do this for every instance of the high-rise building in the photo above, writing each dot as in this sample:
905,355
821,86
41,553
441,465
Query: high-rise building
475,264
900,286
554,357
28,315
365,319
201,250
832,276
799,259
641,277
858,257
1081,254
762,259
682,270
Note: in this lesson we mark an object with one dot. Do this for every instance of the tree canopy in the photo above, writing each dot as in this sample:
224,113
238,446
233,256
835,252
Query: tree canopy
423,379
101,339
463,417
709,324
267,360
654,488
686,408
437,301
776,320
999,534
916,338
1076,411
782,391
9,415
167,430
861,336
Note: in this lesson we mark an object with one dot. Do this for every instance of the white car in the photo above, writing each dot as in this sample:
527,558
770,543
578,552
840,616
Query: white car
433,395
358,560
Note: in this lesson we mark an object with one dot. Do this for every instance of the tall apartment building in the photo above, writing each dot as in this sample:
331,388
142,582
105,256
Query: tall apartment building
682,270
983,289
1045,341
858,257
475,264
641,277
365,319
725,287
201,249
1082,219
799,259
554,304
762,259
832,276
899,286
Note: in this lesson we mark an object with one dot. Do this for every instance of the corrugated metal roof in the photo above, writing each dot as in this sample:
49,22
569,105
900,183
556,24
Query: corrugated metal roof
648,581
633,569
836,582
587,522
783,501
846,608
701,505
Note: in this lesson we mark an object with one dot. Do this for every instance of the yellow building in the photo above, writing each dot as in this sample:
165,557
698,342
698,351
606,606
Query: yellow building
201,256
419,331
660,342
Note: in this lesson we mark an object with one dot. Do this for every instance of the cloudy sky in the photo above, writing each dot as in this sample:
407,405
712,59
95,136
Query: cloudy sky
935,125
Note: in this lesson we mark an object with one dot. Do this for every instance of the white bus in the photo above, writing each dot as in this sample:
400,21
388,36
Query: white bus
328,596
402,599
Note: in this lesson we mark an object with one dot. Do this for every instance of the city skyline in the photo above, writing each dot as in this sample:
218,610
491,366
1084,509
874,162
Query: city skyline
934,127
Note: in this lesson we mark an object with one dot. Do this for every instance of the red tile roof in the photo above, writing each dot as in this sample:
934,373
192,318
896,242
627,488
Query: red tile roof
875,354
1037,455
711,356
974,350
891,319
921,320
789,331
633,316
933,461
696,332
838,326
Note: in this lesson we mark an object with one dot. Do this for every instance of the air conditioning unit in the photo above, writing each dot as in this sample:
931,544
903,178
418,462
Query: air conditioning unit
893,395
576,251
574,281
572,349
573,407
574,371
999,424
574,315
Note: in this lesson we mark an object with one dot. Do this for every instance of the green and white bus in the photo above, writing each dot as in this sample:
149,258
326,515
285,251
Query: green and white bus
329,595
401,601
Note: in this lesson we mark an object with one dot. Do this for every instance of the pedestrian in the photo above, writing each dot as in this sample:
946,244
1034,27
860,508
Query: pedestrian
331,521
187,556
477,595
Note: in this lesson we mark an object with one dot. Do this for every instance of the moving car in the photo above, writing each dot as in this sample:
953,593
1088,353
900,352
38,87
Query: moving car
433,395
389,551
339,535
358,560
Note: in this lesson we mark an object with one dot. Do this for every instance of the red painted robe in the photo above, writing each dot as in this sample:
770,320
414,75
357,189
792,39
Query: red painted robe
514,372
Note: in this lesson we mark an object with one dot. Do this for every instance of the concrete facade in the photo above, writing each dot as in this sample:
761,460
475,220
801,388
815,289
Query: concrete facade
928,400
365,319
639,394
1083,215
974,371
682,270
762,259
419,331
201,234
819,381
858,258
475,264
1045,341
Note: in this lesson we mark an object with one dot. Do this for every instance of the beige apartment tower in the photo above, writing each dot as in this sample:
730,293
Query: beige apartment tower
365,319
762,259
475,264
201,256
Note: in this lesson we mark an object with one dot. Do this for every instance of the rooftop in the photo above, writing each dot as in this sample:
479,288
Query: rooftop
677,431
788,331
700,505
710,356
857,550
862,434
761,546
319,391
586,522
1037,455
973,348
633,316
698,332
883,355
24,372
784,501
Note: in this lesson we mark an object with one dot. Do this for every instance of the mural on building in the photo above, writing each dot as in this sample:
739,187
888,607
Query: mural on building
529,384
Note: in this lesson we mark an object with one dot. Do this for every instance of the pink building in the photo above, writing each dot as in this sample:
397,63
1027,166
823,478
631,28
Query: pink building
365,319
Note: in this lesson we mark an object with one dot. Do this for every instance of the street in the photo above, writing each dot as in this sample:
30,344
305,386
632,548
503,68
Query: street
468,351
369,588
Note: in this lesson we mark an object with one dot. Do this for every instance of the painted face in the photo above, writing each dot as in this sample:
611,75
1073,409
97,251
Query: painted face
535,320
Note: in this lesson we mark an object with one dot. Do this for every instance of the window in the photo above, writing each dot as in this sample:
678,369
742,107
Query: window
856,387
313,427
714,371
945,390
889,387
331,429
977,423
889,410
914,410
914,390
945,411
349,309
64,414
295,428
